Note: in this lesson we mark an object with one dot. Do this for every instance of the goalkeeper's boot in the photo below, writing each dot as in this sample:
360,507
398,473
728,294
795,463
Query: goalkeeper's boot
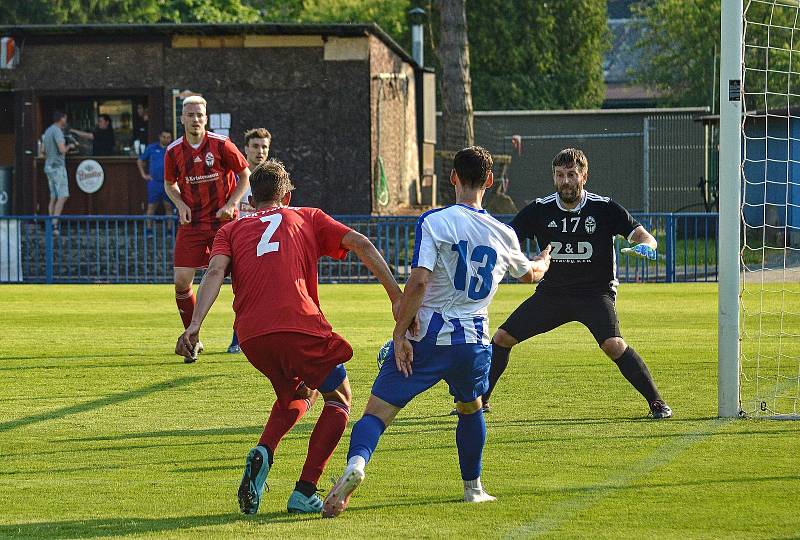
339,496
659,410
300,504
198,348
477,495
254,478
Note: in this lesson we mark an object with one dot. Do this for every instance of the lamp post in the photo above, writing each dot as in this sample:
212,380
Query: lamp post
417,17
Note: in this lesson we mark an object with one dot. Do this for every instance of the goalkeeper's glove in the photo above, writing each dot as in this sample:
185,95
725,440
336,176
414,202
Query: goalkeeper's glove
641,250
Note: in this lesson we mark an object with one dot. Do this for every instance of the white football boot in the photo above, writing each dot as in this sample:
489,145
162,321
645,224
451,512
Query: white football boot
474,492
339,496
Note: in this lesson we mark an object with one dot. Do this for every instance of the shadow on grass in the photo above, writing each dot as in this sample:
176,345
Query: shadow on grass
93,528
137,359
303,427
656,485
113,399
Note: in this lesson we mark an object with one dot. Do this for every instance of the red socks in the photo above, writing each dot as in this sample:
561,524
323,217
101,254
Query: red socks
185,302
324,438
281,420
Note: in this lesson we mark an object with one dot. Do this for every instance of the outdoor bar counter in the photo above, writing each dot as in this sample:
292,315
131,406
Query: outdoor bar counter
123,191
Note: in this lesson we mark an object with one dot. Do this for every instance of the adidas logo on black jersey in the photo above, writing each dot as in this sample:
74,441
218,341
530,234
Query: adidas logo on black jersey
553,224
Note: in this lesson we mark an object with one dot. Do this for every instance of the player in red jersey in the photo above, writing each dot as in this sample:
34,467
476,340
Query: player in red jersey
256,149
200,172
272,256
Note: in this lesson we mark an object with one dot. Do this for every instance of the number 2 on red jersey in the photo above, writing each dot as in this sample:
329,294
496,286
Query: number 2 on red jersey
264,245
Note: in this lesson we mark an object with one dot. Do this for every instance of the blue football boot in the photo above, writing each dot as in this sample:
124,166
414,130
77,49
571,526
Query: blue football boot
254,478
300,504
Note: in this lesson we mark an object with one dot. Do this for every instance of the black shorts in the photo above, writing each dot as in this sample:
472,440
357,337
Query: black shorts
545,311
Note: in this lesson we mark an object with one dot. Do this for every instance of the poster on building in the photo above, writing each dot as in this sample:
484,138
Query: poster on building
89,176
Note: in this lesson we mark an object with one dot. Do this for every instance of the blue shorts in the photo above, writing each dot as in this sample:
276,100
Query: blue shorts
155,192
464,367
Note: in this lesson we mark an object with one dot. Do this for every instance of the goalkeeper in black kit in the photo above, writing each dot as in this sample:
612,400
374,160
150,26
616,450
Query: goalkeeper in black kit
581,284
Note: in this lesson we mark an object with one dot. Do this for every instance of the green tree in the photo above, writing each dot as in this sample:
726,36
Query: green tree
208,11
536,54
679,49
125,11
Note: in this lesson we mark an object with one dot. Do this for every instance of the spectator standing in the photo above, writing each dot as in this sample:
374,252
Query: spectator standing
154,156
55,148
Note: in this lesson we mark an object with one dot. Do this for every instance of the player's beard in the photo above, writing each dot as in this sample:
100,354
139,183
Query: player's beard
569,194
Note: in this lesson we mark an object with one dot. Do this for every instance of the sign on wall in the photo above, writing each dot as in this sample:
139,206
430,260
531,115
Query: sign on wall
8,53
89,176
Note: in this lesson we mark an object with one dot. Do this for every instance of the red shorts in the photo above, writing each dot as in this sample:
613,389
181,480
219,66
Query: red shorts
193,247
289,359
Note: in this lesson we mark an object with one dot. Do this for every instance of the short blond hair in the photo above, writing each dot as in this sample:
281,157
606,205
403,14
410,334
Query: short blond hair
191,100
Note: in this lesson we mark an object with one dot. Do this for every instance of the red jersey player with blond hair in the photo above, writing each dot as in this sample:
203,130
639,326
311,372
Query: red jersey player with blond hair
200,170
272,257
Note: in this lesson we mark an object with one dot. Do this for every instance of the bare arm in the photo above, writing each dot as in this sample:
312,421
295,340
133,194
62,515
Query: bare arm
407,309
641,236
140,164
539,266
85,134
174,194
63,148
228,211
366,253
206,295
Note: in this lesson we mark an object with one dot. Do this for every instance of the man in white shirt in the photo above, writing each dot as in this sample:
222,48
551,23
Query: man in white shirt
461,254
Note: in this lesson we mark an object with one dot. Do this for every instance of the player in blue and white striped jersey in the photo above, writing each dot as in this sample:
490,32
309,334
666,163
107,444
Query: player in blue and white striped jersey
460,256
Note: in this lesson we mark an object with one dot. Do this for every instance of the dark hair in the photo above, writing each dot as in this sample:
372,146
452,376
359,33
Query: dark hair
570,157
256,133
107,118
270,182
473,164
165,130
58,115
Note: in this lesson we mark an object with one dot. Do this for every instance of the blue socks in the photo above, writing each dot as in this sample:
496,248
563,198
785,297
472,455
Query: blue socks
365,435
470,438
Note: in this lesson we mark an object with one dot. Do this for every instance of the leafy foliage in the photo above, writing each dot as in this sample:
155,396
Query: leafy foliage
533,54
525,54
679,49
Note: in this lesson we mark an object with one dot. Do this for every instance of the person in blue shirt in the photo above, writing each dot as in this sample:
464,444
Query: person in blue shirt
154,156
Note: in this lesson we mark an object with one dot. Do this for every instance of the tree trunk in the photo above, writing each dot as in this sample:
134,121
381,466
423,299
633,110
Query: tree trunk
455,88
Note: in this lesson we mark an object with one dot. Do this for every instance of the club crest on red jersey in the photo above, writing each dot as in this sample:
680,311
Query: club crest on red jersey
209,159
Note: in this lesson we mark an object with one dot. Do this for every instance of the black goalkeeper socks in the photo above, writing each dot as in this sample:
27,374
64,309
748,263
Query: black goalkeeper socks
500,356
635,371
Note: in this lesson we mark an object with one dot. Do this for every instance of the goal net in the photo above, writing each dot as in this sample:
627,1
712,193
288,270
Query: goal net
769,251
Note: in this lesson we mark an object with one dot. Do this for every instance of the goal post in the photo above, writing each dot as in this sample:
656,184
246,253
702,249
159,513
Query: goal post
730,174
759,209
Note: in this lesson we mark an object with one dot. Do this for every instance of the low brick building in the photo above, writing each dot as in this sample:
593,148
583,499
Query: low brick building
344,104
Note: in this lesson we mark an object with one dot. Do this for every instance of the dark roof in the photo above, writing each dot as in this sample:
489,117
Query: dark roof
166,29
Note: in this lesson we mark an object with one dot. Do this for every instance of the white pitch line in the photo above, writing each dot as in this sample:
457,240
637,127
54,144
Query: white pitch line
566,509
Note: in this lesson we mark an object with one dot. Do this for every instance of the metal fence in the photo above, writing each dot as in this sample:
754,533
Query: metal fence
138,249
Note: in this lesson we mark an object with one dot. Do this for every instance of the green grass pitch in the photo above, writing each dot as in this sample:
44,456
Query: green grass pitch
105,432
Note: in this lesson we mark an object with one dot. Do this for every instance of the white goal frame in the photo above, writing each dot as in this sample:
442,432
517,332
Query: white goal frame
730,174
